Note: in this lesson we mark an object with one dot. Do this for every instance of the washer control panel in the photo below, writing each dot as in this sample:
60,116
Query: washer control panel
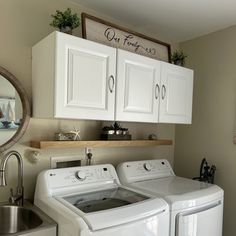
144,170
75,176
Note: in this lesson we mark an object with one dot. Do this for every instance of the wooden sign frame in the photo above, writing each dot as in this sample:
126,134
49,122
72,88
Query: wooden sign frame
104,32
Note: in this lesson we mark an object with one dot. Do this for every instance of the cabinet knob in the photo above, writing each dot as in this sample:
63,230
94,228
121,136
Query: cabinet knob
111,83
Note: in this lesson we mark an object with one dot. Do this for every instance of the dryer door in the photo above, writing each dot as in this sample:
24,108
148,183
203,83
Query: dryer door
201,221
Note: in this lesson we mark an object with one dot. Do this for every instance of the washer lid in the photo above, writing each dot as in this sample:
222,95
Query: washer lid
111,207
104,199
181,193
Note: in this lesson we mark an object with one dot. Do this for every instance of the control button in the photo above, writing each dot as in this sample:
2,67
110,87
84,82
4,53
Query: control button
81,175
147,166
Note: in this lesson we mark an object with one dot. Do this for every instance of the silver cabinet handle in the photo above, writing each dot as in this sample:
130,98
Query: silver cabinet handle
111,83
163,91
157,91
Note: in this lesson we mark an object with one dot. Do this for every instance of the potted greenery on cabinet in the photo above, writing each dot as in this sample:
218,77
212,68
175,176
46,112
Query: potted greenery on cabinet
178,57
65,21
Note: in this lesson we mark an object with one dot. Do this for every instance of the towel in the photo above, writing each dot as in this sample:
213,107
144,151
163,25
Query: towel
10,112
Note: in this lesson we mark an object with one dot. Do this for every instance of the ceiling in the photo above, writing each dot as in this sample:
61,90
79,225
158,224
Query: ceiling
176,21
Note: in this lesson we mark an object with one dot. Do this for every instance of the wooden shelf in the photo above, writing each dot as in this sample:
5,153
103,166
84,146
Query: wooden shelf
97,143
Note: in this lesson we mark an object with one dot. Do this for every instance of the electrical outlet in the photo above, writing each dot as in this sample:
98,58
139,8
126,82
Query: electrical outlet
88,156
88,150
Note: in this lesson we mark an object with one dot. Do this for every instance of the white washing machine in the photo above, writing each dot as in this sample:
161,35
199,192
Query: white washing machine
90,201
196,208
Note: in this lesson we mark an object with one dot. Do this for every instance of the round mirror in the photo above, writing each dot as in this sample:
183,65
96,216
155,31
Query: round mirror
14,110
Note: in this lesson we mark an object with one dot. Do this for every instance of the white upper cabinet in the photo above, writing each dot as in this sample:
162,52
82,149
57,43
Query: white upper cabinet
73,78
176,94
138,88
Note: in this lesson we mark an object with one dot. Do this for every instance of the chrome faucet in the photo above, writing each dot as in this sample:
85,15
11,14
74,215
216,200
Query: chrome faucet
18,198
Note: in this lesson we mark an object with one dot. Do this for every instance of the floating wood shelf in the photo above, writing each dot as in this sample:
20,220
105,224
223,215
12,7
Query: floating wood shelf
98,143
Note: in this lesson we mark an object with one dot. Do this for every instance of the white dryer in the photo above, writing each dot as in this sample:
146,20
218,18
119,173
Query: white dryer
196,208
90,201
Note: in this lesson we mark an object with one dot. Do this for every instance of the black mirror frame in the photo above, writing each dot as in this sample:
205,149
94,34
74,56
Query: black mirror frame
25,107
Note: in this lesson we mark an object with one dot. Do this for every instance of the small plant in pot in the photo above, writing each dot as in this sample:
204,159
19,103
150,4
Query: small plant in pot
65,21
178,57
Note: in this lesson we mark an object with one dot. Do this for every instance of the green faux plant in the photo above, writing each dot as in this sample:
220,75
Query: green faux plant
178,57
65,21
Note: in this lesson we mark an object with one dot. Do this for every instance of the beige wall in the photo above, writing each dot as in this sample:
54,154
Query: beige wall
213,58
23,23
6,88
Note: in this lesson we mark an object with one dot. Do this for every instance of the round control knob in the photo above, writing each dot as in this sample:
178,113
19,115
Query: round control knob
80,175
147,166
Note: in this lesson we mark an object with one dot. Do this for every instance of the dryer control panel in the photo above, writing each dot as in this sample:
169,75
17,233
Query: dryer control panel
134,171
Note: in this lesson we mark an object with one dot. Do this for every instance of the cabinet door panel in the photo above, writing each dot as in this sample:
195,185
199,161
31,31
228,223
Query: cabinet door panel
91,82
176,94
83,73
138,81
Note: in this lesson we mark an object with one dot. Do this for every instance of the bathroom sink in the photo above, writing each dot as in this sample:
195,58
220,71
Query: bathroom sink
15,219
23,220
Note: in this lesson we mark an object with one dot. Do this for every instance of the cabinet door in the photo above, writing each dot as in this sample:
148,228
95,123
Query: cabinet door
176,94
138,88
85,79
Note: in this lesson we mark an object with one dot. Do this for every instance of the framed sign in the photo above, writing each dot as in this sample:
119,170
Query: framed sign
104,32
